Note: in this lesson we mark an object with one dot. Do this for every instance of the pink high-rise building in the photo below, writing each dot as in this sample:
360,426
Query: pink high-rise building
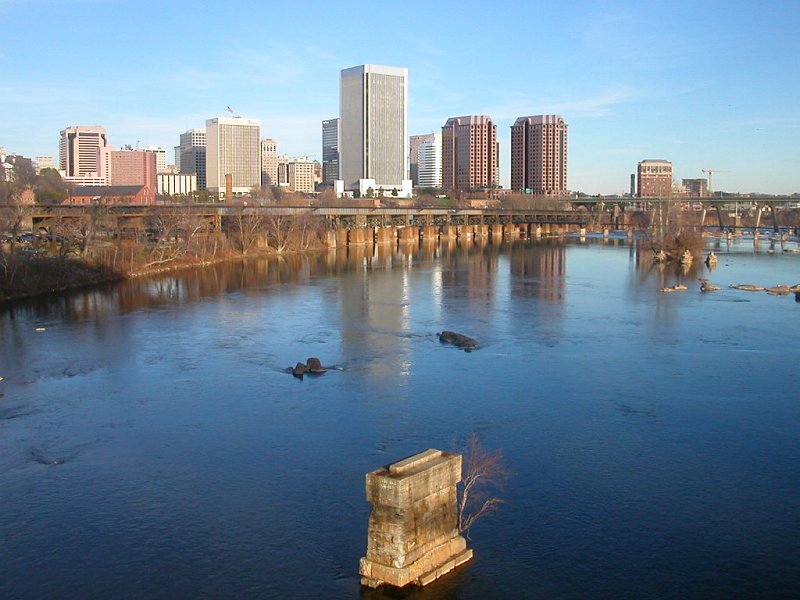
470,153
539,155
128,167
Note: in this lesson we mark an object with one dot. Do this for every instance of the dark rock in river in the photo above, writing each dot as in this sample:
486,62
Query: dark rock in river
457,339
313,365
299,370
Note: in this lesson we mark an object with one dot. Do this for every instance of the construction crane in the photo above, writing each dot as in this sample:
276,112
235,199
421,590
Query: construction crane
710,171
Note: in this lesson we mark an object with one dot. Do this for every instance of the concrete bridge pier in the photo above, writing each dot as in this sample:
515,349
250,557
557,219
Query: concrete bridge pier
537,232
449,232
481,231
430,233
465,232
413,527
496,232
358,236
409,234
330,238
342,237
385,235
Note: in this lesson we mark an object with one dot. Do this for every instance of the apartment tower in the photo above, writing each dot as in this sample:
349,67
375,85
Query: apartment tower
373,130
78,150
539,155
233,148
470,154
654,178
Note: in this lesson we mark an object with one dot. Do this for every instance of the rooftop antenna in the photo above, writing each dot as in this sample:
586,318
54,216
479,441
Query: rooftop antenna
235,115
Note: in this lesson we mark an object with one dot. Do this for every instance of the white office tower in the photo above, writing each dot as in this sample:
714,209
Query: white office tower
373,129
78,150
429,162
233,147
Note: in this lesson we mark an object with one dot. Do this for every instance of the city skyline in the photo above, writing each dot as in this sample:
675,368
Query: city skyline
703,89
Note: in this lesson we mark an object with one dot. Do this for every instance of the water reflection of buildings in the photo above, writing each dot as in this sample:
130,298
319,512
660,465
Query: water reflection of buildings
539,271
375,304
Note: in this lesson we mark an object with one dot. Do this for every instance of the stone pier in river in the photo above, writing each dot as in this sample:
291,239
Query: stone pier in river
413,528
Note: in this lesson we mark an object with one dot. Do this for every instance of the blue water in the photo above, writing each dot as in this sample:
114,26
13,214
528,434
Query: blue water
152,445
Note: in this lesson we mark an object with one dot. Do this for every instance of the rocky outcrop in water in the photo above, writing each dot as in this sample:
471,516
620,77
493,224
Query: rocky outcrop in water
457,339
312,366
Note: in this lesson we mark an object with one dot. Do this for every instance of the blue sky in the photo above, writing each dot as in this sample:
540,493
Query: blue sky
703,84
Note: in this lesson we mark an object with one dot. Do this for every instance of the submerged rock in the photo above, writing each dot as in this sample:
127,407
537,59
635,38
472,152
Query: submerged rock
707,286
299,370
313,365
748,287
457,339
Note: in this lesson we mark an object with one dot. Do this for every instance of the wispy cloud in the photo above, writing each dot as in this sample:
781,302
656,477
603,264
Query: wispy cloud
766,122
598,105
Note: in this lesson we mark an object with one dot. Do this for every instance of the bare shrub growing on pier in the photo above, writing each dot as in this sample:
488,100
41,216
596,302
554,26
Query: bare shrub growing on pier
484,474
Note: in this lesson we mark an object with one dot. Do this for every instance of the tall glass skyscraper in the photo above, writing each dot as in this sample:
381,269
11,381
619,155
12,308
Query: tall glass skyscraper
330,151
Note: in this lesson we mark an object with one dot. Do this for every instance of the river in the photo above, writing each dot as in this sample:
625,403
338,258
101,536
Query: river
153,446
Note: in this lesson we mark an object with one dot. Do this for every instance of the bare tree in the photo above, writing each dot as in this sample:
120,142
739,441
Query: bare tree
484,475
246,230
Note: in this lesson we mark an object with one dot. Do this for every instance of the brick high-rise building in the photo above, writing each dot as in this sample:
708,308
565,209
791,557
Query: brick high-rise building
129,167
470,154
539,155
654,178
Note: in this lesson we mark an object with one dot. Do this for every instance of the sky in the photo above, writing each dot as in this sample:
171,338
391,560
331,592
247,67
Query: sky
704,84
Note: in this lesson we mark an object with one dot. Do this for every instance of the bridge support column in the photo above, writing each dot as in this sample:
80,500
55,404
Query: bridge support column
358,236
342,237
537,231
385,235
409,234
413,527
465,232
330,238
775,227
481,230
430,233
496,232
449,231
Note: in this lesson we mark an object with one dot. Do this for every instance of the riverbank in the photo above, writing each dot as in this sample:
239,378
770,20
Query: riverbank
41,275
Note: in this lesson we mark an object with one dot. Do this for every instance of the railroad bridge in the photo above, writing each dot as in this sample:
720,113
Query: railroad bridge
344,225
